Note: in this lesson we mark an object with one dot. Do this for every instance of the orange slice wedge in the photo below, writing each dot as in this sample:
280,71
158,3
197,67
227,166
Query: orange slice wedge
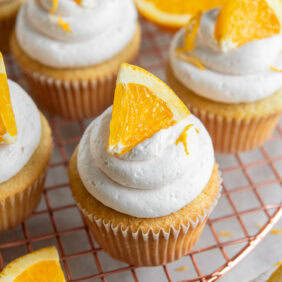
276,275
8,127
42,265
243,21
174,14
143,105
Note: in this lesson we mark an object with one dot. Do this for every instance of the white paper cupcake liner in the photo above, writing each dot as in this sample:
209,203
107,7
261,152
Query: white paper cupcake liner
15,209
148,249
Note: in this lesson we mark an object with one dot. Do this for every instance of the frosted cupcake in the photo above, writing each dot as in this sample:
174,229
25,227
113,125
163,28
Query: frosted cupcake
8,13
25,150
70,52
144,173
227,71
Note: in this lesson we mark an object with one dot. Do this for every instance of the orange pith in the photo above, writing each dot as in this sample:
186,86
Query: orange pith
139,111
243,21
174,13
8,127
44,271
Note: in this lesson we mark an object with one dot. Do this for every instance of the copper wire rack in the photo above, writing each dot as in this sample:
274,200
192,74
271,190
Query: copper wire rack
247,210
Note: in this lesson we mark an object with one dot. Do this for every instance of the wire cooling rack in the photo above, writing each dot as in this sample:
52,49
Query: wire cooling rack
246,212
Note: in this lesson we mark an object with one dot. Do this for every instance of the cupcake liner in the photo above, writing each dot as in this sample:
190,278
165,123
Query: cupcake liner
17,208
6,28
73,100
147,249
232,135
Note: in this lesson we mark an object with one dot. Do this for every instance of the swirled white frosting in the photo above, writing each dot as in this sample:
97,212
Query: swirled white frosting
156,178
13,157
239,75
100,29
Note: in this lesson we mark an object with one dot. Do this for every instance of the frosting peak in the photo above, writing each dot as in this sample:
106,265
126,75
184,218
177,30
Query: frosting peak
240,75
98,30
146,181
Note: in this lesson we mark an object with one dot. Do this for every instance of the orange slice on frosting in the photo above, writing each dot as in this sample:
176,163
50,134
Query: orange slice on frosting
8,127
143,105
242,21
174,14
42,265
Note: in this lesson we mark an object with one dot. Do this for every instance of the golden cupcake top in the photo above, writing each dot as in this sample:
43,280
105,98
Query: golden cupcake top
8,126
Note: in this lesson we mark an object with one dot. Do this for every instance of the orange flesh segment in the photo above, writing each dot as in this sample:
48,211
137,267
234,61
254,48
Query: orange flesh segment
137,115
243,21
43,271
182,7
8,127
276,276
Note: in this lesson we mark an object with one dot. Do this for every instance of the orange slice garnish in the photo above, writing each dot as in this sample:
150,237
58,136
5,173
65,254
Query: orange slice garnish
42,265
276,276
174,14
143,105
242,21
8,127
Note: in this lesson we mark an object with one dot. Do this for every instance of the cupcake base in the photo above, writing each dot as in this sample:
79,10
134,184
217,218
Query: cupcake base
75,93
145,241
8,14
233,127
20,195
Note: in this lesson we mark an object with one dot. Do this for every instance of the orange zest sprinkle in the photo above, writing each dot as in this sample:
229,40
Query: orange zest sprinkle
182,268
225,234
65,26
276,231
278,263
197,130
188,59
54,7
274,69
78,2
191,31
183,138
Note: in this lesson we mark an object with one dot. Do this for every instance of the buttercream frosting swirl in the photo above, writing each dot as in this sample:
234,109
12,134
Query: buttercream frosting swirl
99,29
239,75
13,157
154,179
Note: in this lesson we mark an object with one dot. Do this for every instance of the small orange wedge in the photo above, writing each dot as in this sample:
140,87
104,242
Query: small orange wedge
42,265
174,14
243,21
8,127
143,105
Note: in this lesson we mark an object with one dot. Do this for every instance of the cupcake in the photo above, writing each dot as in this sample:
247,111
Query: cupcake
226,67
8,13
144,173
70,52
25,150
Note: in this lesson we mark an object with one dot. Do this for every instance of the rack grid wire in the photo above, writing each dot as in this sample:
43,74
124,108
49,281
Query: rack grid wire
254,176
